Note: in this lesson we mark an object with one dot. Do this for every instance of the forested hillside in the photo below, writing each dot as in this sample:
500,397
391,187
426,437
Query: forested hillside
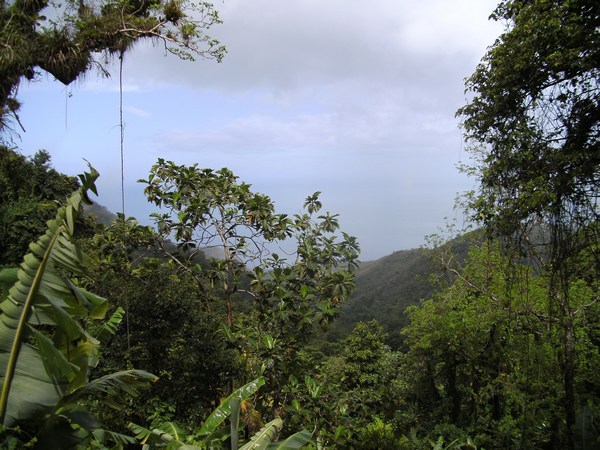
387,287
118,335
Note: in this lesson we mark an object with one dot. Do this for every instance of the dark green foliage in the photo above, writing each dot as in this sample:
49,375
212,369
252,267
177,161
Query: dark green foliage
537,110
350,400
167,329
533,123
46,354
483,357
29,191
386,287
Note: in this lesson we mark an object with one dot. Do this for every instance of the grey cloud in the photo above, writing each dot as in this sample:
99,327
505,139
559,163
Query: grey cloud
290,44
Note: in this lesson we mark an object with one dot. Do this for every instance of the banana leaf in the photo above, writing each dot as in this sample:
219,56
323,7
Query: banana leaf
45,354
224,409
265,436
294,442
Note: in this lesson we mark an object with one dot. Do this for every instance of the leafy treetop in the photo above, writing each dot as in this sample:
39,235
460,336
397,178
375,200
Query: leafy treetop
534,120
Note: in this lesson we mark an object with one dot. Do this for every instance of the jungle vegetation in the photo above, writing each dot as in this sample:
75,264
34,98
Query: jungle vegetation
121,335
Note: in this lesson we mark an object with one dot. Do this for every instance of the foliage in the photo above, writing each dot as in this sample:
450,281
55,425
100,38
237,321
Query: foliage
29,191
211,436
207,208
386,287
533,123
45,354
350,400
483,355
535,111
175,337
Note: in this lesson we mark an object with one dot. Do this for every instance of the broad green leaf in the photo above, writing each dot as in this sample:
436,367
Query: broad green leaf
116,384
224,409
57,366
32,391
265,436
235,422
141,434
294,442
42,295
110,327
173,430
103,436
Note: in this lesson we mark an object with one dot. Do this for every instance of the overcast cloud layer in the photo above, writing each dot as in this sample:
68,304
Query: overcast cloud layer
350,99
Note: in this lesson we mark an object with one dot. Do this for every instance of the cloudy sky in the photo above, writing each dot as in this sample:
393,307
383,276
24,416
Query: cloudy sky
353,99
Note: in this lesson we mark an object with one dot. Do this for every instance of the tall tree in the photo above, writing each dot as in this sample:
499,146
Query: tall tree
534,126
208,209
288,295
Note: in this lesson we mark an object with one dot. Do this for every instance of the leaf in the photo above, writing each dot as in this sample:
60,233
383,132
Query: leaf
235,422
224,409
116,384
8,277
294,442
102,436
265,436
110,327
141,433
173,430
55,363
40,295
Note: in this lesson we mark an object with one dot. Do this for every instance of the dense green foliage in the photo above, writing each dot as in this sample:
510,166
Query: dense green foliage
386,287
534,123
500,345
46,354
29,189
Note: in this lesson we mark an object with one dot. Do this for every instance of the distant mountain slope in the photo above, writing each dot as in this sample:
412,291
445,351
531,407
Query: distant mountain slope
386,287
100,213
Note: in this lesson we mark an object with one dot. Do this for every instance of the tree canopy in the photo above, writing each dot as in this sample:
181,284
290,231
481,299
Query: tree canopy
534,119
534,127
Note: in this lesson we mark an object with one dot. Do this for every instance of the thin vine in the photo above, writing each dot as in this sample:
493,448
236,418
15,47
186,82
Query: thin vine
122,148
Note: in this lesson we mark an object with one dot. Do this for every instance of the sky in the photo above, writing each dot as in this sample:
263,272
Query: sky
353,99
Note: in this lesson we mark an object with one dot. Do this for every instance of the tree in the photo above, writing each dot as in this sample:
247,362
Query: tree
481,354
350,399
209,209
283,298
65,46
29,191
534,124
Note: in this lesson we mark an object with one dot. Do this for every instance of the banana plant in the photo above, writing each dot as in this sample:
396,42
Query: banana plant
171,436
46,356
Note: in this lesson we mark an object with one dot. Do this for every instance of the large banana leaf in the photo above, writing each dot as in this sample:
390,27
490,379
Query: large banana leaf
266,435
294,442
44,352
224,409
